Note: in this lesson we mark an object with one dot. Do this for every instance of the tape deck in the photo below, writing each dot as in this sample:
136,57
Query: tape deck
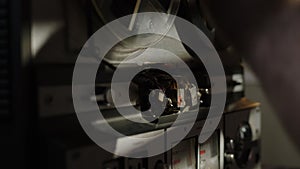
234,144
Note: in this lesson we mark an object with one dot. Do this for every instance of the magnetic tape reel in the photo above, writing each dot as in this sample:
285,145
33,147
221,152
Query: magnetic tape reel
108,11
191,10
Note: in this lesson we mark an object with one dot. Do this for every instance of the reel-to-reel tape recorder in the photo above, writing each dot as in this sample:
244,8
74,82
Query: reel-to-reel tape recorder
169,104
235,142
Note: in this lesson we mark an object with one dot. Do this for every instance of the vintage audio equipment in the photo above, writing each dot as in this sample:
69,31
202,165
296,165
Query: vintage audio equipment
234,144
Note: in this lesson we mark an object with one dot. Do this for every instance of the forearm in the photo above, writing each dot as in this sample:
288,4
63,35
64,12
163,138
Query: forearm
267,34
275,58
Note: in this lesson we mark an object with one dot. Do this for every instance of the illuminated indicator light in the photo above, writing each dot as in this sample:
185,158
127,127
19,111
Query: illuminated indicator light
202,152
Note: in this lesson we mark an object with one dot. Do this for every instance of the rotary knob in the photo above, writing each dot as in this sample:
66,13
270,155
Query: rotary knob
229,154
245,133
243,145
